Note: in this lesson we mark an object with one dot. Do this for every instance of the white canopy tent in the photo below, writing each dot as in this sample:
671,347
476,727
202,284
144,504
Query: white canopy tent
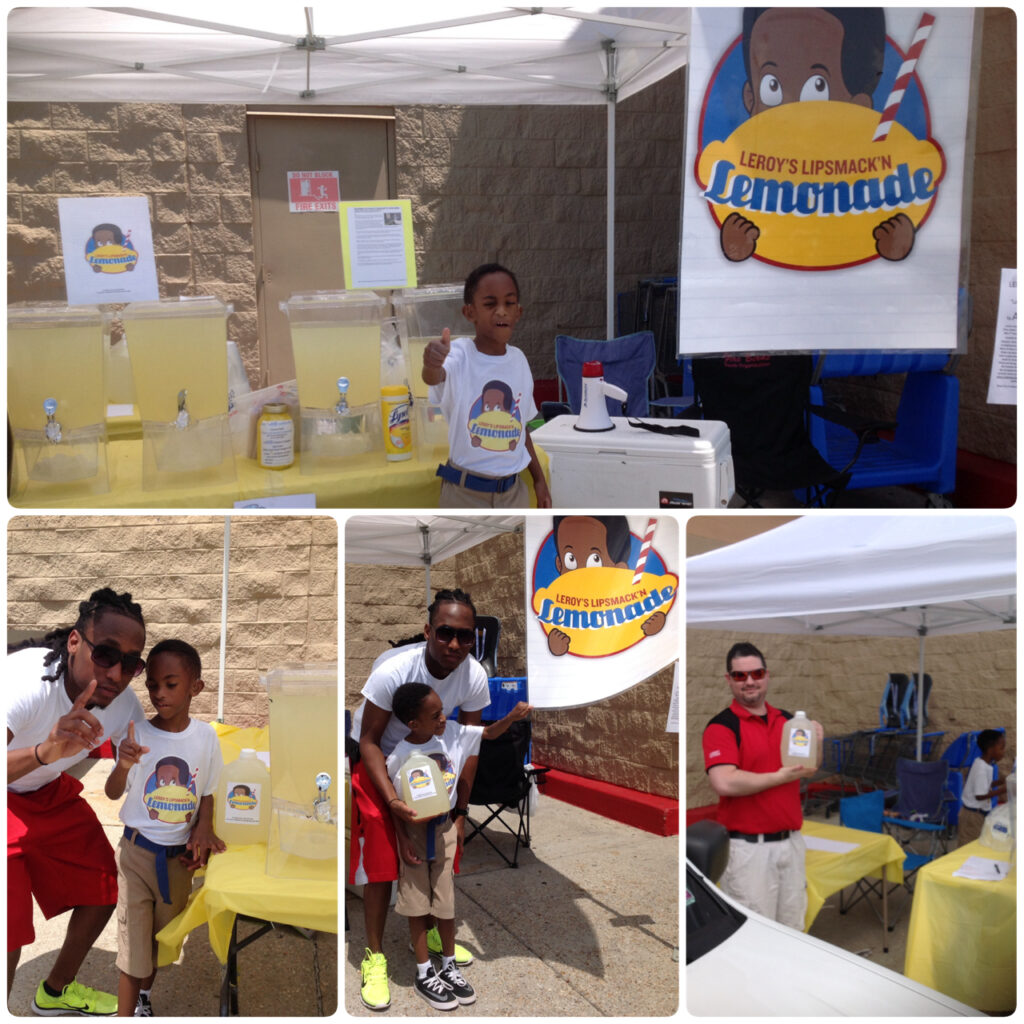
420,540
347,55
896,576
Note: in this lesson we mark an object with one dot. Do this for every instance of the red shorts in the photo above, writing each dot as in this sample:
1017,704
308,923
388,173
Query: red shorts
373,851
57,852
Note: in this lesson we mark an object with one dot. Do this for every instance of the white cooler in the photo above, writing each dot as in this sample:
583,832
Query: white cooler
630,467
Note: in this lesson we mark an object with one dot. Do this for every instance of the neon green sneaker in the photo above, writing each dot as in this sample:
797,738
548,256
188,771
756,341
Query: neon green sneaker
78,999
462,955
375,993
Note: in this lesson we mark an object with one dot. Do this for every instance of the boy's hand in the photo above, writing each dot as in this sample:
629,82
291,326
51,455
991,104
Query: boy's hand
128,751
540,488
436,351
202,841
406,850
518,713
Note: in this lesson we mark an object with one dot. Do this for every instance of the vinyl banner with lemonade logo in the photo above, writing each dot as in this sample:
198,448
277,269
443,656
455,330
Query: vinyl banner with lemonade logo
823,178
601,595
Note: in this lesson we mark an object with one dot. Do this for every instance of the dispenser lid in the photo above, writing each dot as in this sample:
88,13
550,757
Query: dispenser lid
593,368
334,307
302,677
431,293
184,306
42,314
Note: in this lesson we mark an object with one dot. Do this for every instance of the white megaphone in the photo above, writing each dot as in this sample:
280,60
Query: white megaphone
593,415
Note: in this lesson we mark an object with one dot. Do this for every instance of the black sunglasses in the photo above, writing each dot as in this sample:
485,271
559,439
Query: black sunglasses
448,633
106,656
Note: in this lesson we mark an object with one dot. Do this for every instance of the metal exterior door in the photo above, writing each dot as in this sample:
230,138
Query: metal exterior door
301,252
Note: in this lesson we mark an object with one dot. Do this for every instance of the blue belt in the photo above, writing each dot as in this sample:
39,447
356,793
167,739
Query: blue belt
431,826
487,484
133,835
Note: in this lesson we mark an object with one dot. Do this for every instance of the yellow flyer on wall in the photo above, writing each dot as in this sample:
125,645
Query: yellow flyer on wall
377,247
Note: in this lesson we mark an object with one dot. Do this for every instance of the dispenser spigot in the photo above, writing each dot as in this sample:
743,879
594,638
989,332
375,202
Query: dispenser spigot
53,434
182,420
342,404
322,803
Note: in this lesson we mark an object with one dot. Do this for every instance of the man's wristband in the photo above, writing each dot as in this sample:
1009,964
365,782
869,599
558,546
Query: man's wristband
460,812
35,750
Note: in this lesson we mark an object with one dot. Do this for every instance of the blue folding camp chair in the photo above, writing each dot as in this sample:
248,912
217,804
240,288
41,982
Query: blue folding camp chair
863,812
628,364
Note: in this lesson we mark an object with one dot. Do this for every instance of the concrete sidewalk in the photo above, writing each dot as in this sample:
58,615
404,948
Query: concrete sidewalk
282,974
587,925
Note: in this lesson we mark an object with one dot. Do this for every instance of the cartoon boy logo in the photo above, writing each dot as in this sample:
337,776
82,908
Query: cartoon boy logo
593,542
809,164
170,793
241,798
495,422
110,251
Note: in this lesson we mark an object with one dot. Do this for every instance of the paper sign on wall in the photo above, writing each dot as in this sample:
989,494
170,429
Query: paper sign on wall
823,183
377,244
313,191
1002,384
601,596
108,250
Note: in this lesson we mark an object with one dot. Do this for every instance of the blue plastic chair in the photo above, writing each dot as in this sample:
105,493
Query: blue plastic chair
628,363
922,449
863,812
921,813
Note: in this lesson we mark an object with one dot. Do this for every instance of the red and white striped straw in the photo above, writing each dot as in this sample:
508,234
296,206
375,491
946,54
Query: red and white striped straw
645,550
899,87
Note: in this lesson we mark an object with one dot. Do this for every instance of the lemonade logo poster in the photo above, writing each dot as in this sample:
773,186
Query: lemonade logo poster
107,244
601,595
495,422
170,791
815,147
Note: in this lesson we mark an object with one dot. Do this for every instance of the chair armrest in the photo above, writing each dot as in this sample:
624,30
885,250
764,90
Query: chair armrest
924,826
859,425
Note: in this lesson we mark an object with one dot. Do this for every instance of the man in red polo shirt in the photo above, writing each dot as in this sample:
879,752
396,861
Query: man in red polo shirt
759,800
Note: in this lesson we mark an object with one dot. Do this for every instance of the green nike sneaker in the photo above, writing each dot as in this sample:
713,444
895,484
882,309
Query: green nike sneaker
75,999
375,993
462,955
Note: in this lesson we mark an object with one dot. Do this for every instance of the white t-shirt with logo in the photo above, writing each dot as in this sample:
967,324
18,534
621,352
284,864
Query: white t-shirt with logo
487,402
450,750
466,688
979,782
34,706
164,789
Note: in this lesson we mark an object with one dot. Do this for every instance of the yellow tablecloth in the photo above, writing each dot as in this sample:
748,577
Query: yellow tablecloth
367,481
236,882
963,933
827,872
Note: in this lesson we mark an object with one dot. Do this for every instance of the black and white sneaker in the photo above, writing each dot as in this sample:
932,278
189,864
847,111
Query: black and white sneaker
460,988
435,991
143,1008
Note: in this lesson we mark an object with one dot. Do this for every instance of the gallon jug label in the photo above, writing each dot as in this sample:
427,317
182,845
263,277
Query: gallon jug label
242,803
276,442
799,743
421,785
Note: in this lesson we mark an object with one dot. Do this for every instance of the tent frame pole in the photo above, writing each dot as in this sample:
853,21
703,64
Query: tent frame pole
611,91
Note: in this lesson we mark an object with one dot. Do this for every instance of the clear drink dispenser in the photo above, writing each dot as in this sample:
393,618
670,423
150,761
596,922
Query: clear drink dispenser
336,346
57,397
179,358
427,312
304,780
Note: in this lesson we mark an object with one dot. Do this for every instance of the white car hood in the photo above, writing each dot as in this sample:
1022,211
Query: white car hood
767,969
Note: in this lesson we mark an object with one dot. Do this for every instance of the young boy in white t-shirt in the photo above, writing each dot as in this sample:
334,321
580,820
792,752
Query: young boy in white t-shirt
979,790
170,766
485,389
426,886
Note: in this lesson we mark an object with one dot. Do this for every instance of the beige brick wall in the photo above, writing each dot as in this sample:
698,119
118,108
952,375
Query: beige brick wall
621,740
839,681
282,589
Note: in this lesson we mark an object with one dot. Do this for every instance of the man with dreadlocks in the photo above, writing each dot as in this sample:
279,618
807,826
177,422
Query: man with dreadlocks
443,663
66,695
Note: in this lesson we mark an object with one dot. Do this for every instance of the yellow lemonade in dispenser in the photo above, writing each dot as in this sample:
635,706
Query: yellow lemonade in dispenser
175,347
63,361
326,351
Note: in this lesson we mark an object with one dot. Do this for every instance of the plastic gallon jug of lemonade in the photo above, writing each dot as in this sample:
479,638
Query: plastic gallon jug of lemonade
242,803
422,787
799,742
